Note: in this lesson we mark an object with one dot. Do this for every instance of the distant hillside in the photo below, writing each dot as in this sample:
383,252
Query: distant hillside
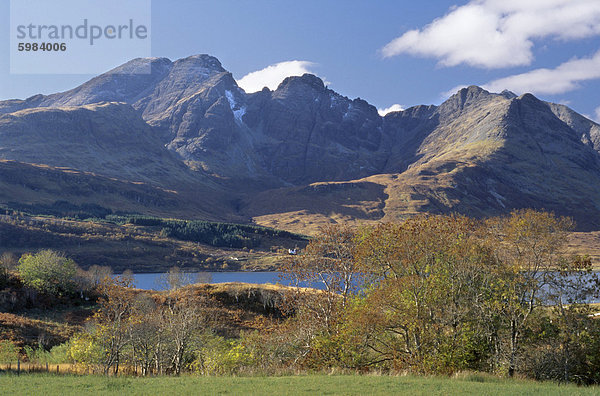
144,244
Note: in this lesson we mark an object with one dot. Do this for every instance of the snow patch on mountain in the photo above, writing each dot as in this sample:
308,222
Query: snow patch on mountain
238,112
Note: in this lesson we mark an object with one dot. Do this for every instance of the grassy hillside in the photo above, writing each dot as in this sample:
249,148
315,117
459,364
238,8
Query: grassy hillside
473,384
35,184
305,209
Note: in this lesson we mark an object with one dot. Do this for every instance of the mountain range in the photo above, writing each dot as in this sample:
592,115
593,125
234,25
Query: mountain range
186,141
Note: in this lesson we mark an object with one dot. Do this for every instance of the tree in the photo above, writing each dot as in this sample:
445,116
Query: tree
85,350
569,327
183,318
176,279
113,321
327,263
98,274
529,245
430,276
8,262
48,272
146,334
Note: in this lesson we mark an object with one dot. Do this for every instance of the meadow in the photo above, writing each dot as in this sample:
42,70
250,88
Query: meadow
468,384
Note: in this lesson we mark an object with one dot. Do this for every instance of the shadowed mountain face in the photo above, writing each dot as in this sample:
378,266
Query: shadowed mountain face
310,133
303,155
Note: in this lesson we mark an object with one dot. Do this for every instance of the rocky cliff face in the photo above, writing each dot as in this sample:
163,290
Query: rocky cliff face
309,133
478,153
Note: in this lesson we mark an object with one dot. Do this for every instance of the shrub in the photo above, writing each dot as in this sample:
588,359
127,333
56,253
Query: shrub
222,357
9,352
57,355
48,272
83,349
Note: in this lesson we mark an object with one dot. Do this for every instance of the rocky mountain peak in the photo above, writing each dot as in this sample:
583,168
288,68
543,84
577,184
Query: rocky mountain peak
306,79
464,98
143,66
366,107
508,94
202,63
588,130
470,94
187,73
529,108
529,98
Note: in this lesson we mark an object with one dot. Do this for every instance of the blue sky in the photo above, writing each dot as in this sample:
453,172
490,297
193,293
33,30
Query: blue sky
387,52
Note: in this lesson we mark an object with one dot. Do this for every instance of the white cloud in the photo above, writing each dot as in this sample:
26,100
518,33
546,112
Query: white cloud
597,111
394,107
498,33
271,76
565,77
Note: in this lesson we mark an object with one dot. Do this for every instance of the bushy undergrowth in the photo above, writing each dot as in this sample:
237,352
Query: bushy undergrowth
58,354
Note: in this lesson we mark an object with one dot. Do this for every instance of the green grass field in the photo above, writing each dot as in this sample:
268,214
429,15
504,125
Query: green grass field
44,384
